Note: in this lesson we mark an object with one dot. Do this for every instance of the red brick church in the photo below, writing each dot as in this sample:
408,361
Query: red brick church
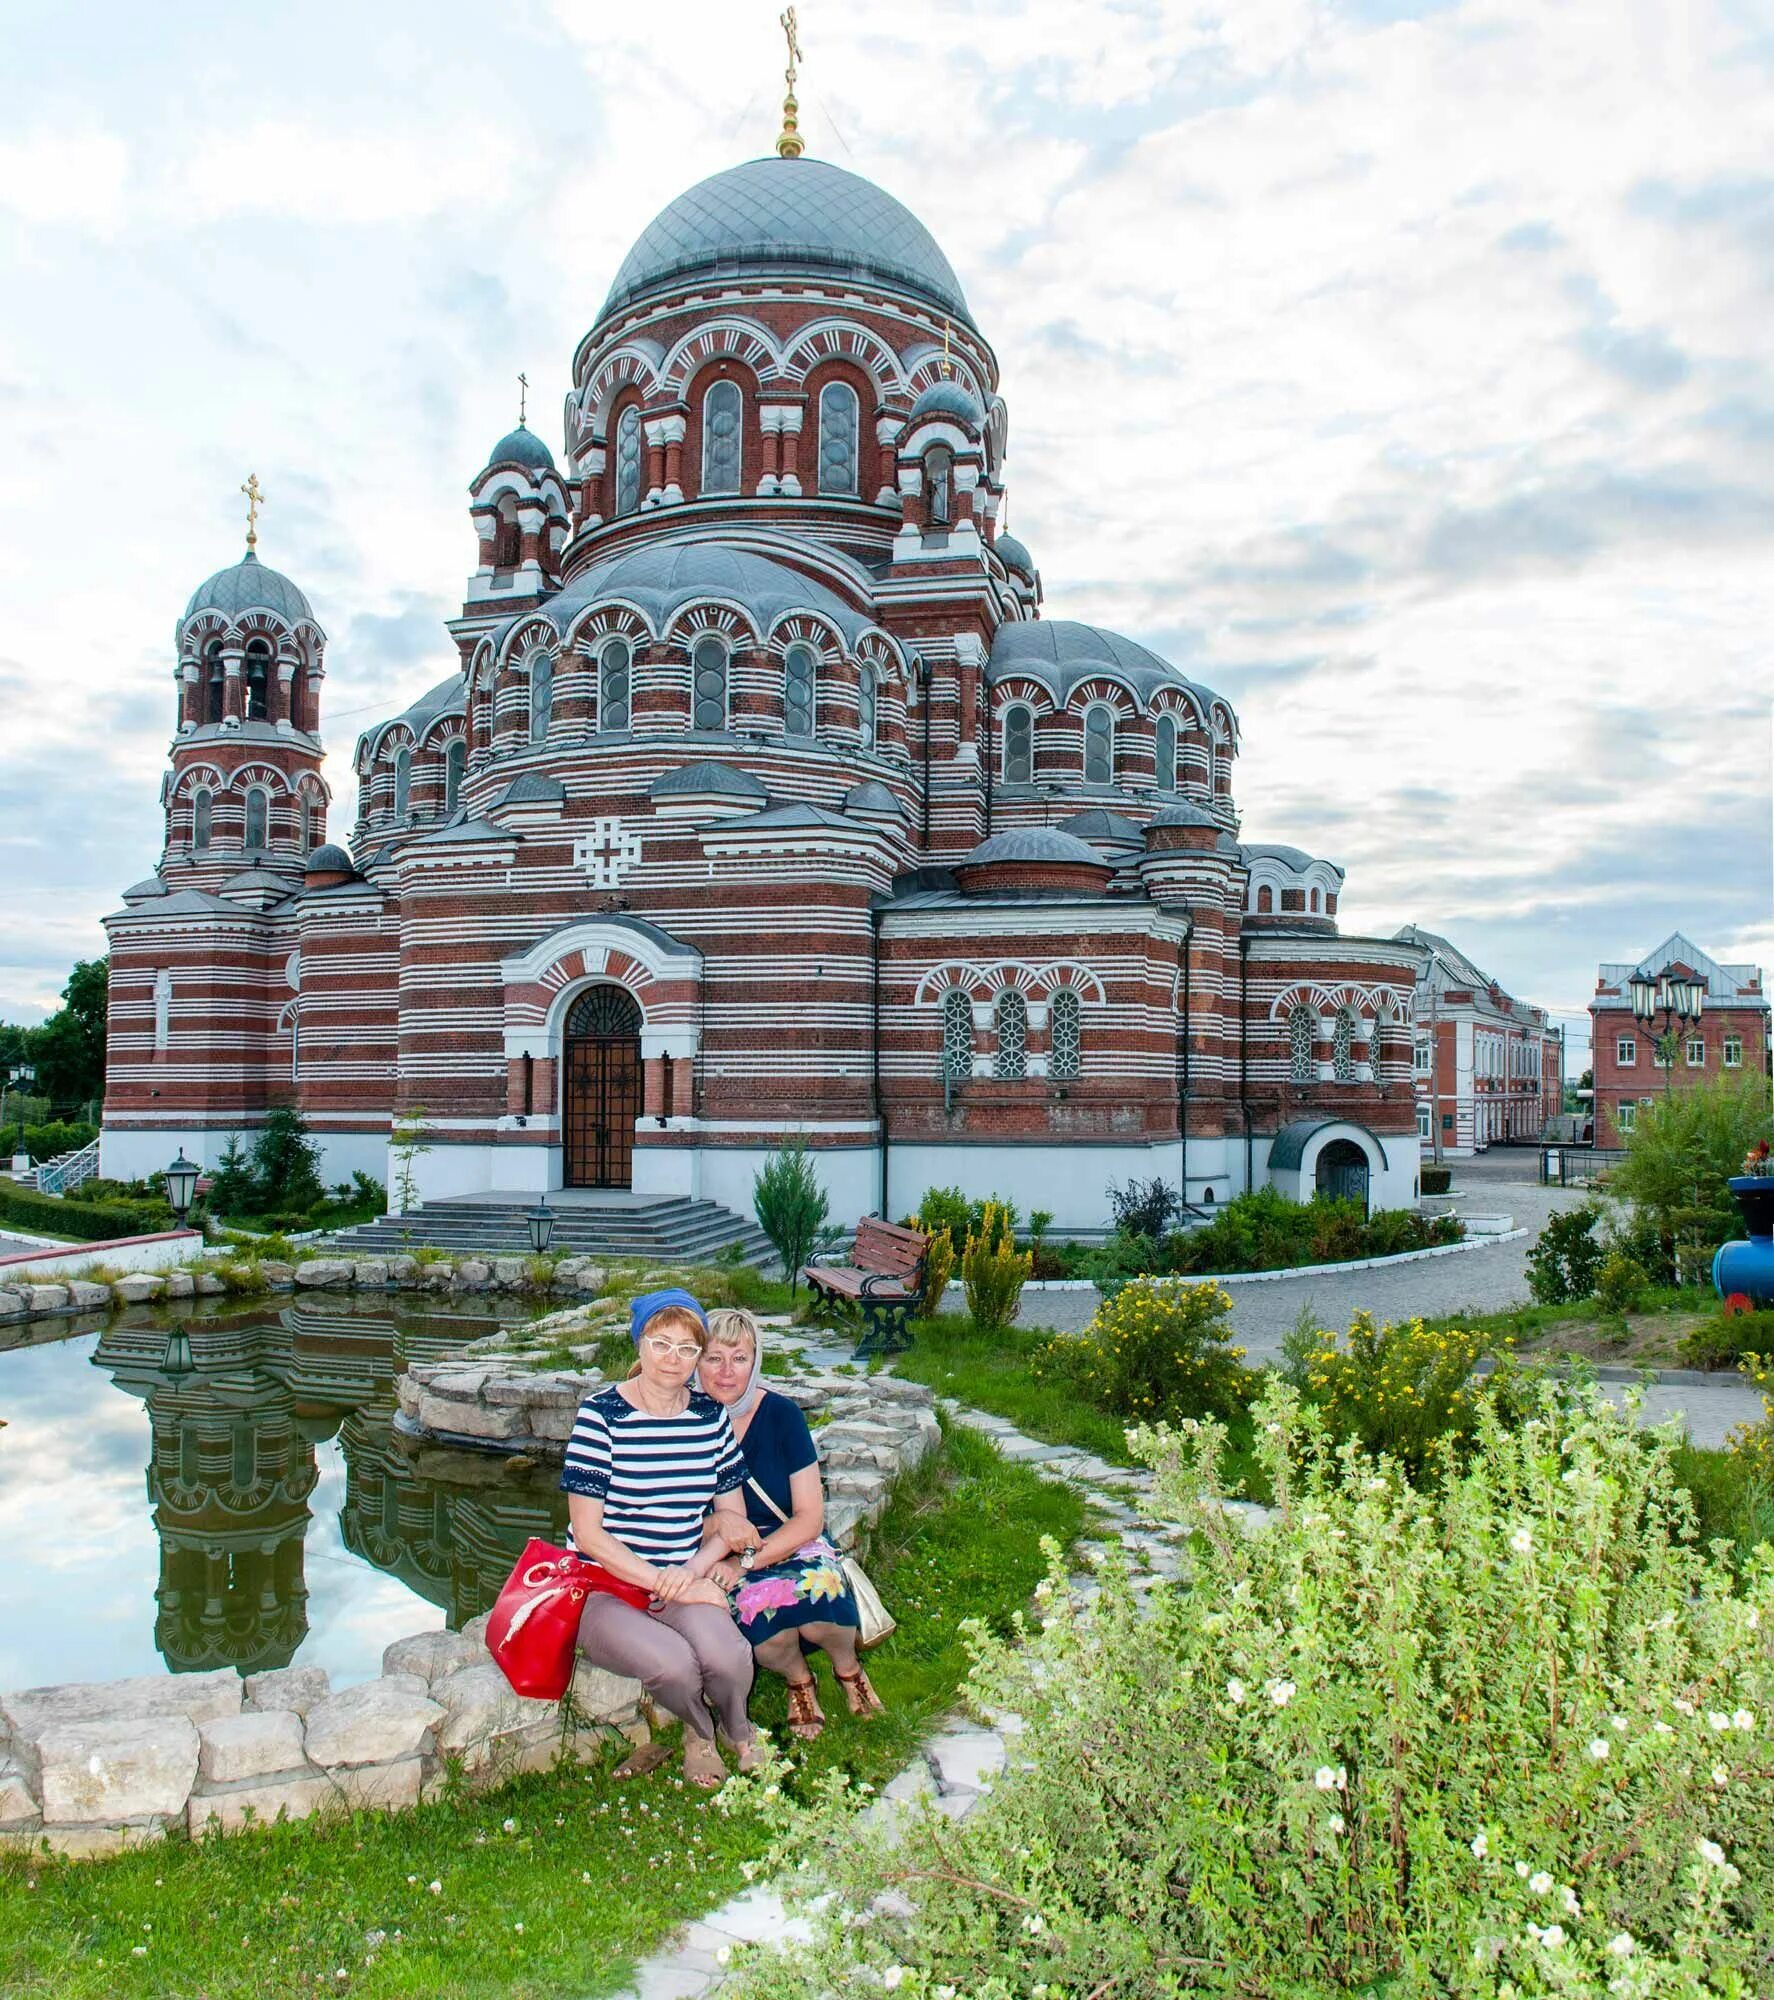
761,798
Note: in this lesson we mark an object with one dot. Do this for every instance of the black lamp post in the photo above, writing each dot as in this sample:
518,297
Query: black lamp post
541,1222
177,1361
1678,1002
181,1187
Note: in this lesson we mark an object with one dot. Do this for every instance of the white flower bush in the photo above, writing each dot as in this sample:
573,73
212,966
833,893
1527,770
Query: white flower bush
1510,1819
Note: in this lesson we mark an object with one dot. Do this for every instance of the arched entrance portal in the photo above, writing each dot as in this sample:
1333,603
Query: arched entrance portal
601,1088
1342,1172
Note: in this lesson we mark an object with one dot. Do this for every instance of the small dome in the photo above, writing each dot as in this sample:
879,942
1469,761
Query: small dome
706,779
521,447
1094,823
1035,844
949,399
871,796
1013,555
250,586
1183,815
329,860
145,890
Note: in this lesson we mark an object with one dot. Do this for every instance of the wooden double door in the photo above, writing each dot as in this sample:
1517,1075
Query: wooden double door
600,1088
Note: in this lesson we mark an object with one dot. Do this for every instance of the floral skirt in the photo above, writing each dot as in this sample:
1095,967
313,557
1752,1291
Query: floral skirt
807,1588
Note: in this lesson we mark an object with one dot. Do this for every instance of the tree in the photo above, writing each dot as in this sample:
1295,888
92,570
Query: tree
232,1188
286,1163
69,1048
790,1206
409,1138
1683,1149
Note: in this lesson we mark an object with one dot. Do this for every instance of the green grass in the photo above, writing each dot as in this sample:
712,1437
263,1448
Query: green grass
1731,1501
595,1872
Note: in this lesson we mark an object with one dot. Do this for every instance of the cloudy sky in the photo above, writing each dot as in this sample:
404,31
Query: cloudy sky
1401,370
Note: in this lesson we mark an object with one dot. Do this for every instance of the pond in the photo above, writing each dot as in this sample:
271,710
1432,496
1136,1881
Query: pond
256,1510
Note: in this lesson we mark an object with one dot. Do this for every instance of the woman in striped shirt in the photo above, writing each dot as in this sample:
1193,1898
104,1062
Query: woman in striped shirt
647,1460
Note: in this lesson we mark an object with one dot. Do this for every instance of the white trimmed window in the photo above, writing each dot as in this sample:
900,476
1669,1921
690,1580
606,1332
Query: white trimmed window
939,484
455,764
1627,1116
1164,748
628,460
837,439
1732,1053
1695,1052
1019,744
258,680
800,672
541,695
865,705
1065,1058
1425,1124
403,782
708,665
1099,745
957,1034
723,413
613,669
1011,1019
1425,1058
203,806
1302,1038
1626,1051
1343,1045
258,812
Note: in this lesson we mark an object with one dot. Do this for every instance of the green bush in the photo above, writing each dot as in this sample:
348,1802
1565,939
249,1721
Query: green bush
286,1164
939,1261
1505,1733
949,1210
1620,1282
1683,1149
790,1206
1436,1180
1265,1231
1567,1256
46,1141
1727,1337
993,1269
1152,1351
79,1221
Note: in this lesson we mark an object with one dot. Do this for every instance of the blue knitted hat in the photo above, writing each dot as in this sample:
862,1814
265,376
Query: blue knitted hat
650,1303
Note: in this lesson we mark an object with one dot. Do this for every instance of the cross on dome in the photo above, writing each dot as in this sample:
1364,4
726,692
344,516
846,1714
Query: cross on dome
255,499
788,142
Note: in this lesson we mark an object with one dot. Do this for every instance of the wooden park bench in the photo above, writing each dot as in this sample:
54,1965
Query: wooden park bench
884,1281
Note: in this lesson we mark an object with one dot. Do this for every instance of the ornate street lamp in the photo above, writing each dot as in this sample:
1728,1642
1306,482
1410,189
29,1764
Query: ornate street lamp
177,1361
541,1222
181,1187
1678,1001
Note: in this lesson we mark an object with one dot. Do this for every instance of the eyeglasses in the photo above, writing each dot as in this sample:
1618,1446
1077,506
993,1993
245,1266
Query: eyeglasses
679,1351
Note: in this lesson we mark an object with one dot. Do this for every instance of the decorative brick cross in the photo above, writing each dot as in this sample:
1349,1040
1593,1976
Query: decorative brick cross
606,852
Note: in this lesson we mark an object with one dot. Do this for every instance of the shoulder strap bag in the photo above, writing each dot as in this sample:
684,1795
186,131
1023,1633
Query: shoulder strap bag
874,1620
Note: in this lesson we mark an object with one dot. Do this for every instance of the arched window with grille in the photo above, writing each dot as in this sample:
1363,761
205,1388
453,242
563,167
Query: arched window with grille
1343,1045
1302,1039
403,783
1010,1018
939,484
628,460
541,695
215,683
615,665
203,807
957,1035
865,705
258,680
1099,745
1164,746
838,414
1065,1057
455,764
1019,744
800,669
708,666
723,413
257,814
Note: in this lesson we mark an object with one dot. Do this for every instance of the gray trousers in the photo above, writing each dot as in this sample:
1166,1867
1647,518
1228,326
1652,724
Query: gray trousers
691,1658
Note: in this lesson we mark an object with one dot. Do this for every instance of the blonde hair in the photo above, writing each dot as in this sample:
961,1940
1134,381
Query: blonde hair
728,1326
671,1319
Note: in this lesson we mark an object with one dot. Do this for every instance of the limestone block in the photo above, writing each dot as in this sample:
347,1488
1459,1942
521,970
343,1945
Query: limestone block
436,1278
86,1296
592,1278
30,1711
603,1696
474,1273
402,1270
508,1271
479,1705
323,1274
277,1274
138,1290
390,1787
476,1629
209,1286
552,1424
257,1802
299,1688
843,1516
406,1394
101,1773
252,1745
433,1656
18,1803
470,1418
47,1298
97,1843
372,1724
370,1271
968,1758
180,1285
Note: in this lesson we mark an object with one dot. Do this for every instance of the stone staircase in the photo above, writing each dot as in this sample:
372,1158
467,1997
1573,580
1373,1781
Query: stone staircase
667,1230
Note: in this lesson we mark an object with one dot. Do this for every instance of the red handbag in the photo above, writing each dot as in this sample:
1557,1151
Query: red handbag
534,1624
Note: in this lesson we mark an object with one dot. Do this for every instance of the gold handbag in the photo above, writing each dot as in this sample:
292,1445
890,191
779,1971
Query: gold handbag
873,1620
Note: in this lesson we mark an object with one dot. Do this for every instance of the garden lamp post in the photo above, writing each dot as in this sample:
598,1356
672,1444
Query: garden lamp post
1677,1002
541,1222
177,1361
181,1187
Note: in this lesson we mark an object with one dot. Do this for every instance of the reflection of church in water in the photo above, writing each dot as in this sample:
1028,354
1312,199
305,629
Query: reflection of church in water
233,1467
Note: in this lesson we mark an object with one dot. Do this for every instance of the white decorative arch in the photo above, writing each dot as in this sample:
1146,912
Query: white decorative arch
842,340
983,978
726,617
732,337
634,364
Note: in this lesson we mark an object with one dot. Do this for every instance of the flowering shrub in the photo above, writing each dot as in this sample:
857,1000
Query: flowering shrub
993,1269
1152,1351
1755,1442
939,1264
1505,1735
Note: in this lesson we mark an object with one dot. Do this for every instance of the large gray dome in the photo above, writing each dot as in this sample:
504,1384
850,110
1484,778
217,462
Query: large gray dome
250,586
802,216
1060,652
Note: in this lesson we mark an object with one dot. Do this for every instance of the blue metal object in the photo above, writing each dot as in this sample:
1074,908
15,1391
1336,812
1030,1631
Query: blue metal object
1747,1266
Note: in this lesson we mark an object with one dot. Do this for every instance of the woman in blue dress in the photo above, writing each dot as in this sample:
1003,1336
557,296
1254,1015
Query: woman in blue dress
791,1592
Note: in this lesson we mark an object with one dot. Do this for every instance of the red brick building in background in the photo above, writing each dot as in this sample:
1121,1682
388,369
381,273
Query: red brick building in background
1488,1068
1731,1038
759,797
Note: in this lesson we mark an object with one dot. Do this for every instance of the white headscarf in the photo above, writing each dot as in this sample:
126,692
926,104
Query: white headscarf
725,1323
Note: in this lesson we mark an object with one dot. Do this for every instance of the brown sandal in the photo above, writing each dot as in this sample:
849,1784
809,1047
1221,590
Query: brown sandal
703,1765
805,1716
859,1692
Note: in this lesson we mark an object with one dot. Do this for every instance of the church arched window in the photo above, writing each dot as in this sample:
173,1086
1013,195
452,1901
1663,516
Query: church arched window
1065,1031
1164,745
403,783
838,416
455,765
257,813
203,808
957,1035
1099,744
708,673
628,460
541,695
307,825
1343,1045
1011,1020
1265,902
258,680
800,669
1302,1037
215,683
865,705
508,537
939,484
613,684
1019,744
723,413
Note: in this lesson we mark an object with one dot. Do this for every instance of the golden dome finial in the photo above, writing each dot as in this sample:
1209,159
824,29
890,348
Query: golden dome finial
255,499
788,143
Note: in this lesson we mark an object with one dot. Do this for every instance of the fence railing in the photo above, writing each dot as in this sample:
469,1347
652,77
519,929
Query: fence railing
60,1175
1576,1166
